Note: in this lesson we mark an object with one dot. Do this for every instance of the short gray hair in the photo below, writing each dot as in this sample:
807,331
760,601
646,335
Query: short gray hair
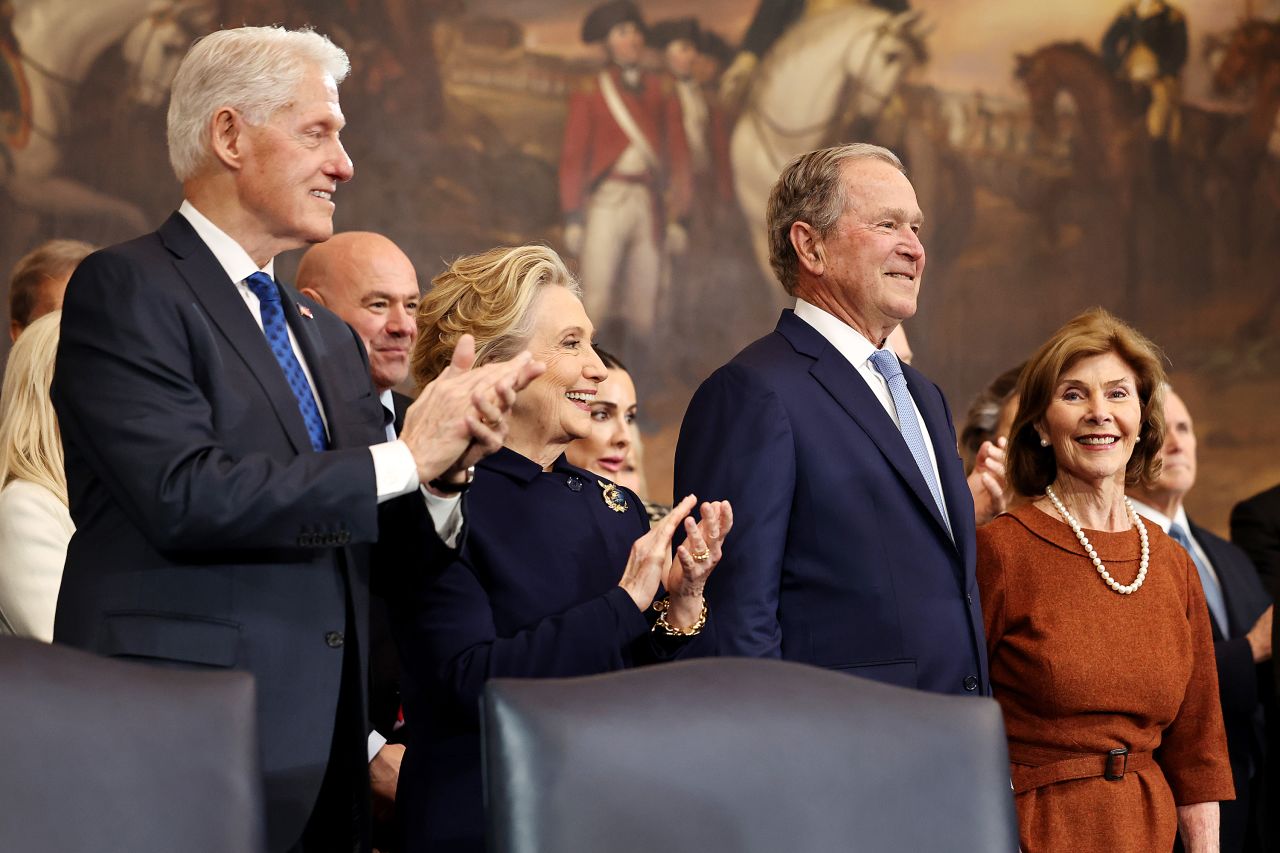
52,259
254,70
810,190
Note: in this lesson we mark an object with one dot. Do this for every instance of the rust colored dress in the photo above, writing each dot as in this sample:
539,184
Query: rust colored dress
1079,670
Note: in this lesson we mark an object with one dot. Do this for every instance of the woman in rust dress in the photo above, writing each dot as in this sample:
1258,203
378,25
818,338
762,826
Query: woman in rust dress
1098,634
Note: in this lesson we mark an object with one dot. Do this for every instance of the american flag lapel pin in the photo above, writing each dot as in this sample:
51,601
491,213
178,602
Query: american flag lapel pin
305,311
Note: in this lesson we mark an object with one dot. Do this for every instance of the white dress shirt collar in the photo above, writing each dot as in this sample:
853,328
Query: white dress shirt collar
849,341
1165,522
389,404
235,261
857,350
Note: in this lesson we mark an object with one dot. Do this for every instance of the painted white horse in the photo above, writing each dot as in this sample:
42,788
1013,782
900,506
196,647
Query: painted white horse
59,41
156,45
826,72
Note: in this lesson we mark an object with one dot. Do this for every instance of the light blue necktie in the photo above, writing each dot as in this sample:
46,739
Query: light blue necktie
277,332
886,363
1208,580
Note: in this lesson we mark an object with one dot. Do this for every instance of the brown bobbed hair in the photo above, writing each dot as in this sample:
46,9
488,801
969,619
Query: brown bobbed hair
489,296
52,259
1031,467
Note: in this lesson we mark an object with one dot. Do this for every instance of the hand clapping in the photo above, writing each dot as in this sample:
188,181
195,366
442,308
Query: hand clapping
459,417
987,481
650,563
695,558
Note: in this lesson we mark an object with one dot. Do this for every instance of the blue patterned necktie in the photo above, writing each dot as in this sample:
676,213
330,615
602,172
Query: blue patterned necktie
886,363
1208,580
277,332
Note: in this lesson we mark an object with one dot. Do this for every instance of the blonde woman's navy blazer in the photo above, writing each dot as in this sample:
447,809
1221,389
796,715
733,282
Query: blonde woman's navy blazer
533,593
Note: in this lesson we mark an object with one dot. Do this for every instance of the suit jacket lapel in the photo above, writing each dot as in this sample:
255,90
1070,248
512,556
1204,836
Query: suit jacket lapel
1243,609
841,380
401,403
955,489
1215,559
226,309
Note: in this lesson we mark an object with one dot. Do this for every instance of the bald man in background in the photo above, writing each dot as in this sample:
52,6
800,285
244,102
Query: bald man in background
370,283
366,280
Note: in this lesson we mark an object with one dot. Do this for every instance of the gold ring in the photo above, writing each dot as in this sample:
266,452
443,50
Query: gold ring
701,556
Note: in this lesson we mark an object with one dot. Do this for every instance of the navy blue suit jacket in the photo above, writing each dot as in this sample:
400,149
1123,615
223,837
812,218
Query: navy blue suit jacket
1242,684
208,533
1246,599
533,593
839,556
384,660
1255,527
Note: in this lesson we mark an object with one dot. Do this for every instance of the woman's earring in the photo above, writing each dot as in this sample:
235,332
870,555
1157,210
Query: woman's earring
1044,442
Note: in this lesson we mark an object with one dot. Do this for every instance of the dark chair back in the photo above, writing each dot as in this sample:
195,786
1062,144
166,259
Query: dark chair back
742,756
106,755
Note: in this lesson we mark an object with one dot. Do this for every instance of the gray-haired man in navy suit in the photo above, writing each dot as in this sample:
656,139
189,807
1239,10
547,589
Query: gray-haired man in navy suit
857,551
1240,613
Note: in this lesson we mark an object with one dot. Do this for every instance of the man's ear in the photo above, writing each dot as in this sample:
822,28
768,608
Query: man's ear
312,293
808,245
227,137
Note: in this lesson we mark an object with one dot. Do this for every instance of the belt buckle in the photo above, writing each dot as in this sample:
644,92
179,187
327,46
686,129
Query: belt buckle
1122,753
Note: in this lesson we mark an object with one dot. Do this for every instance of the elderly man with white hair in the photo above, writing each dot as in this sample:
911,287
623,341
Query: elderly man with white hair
225,451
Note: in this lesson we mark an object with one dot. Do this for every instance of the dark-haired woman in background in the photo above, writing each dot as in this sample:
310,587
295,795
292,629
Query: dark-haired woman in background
612,446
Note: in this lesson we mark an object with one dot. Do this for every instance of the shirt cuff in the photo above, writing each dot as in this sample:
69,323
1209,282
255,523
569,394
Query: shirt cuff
376,742
394,470
446,515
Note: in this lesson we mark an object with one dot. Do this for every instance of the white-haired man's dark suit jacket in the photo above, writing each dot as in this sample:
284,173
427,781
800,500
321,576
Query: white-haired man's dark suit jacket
208,532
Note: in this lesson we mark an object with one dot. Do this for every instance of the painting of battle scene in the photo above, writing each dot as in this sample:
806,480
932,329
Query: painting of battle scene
1065,155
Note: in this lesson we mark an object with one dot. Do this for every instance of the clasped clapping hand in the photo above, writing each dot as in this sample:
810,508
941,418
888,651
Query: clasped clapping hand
650,562
987,481
460,416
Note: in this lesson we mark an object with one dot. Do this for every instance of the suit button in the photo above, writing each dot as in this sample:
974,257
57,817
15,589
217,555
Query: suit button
971,682
334,640
969,598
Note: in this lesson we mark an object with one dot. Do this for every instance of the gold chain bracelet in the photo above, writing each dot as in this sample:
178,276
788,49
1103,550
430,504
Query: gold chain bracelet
661,606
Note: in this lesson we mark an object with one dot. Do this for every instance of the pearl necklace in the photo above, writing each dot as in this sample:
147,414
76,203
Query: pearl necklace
1122,589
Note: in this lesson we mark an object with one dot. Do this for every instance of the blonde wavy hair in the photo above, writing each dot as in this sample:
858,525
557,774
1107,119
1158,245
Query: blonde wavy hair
489,296
30,442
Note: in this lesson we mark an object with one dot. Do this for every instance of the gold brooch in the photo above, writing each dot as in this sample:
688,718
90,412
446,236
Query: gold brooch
613,497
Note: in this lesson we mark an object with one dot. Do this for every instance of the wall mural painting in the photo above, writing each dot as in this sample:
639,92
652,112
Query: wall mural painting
1113,153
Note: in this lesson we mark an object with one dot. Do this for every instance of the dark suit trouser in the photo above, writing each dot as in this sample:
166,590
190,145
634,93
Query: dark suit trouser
341,819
